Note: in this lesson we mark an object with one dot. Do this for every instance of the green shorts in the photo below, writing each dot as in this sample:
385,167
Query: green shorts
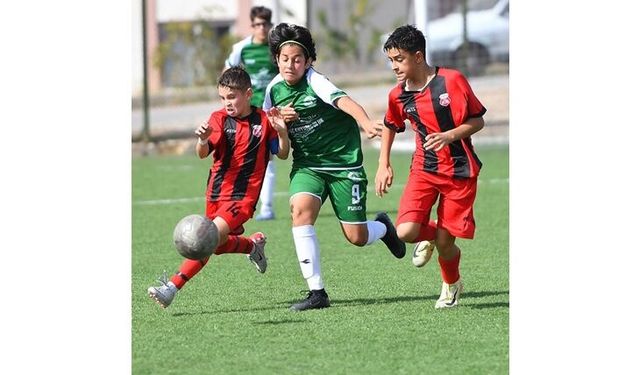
347,190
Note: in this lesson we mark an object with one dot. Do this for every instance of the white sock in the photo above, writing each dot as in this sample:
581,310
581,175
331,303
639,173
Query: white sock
376,230
266,194
308,251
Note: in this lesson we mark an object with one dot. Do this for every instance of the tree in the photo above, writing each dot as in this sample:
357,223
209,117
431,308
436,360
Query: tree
191,53
346,43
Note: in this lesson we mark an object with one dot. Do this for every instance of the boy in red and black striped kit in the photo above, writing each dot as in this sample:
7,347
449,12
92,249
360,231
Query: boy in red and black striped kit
240,139
444,113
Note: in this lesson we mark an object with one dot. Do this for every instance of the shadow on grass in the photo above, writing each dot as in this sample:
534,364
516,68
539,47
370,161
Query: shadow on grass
373,301
481,294
358,302
284,321
192,313
489,305
224,311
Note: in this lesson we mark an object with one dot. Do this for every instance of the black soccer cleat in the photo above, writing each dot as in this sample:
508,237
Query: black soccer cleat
395,245
316,299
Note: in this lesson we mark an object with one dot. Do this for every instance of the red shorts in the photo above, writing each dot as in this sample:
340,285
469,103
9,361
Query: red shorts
455,210
235,213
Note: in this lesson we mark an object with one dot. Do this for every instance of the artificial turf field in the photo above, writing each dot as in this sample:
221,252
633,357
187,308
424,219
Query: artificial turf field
229,319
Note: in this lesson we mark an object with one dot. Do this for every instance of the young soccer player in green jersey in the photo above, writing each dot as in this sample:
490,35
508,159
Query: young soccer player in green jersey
322,124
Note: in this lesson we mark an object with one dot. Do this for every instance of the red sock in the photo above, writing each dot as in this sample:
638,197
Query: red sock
427,232
449,269
235,244
188,269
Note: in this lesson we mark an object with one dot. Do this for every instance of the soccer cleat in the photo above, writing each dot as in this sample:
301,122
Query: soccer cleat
449,295
265,216
395,245
316,299
422,253
256,256
164,293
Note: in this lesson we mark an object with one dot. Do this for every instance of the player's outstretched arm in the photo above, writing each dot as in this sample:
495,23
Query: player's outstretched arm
371,128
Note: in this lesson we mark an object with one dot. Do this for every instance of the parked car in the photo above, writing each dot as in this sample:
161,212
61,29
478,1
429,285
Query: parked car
487,33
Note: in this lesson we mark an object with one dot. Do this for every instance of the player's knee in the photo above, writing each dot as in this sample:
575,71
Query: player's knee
406,233
445,245
443,248
357,239
300,215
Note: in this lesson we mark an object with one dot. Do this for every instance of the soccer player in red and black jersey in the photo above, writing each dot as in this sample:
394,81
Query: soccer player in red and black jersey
240,137
443,112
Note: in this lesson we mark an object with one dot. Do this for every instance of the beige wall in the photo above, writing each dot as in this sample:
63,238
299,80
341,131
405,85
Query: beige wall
159,11
153,38
242,26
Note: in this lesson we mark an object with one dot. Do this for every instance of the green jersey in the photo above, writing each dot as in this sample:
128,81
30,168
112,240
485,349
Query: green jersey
324,137
256,60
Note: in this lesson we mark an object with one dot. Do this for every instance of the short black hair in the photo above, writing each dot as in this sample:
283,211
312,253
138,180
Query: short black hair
286,33
406,37
235,78
261,12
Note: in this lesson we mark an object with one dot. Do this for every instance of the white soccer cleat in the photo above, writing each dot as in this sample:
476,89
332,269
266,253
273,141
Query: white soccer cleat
164,293
422,253
449,295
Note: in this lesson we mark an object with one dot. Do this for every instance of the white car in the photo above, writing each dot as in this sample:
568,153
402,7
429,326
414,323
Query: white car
487,33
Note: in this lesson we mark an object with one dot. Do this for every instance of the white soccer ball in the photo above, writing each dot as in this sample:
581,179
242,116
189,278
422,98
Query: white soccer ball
195,237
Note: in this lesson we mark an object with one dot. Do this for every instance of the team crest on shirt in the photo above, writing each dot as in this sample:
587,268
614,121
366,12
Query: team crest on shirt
445,100
256,130
307,101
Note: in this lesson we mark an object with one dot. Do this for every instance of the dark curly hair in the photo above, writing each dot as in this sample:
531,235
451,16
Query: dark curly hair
260,12
235,78
406,37
288,33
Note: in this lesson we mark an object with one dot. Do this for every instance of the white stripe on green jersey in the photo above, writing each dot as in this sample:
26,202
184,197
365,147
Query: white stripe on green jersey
324,136
256,60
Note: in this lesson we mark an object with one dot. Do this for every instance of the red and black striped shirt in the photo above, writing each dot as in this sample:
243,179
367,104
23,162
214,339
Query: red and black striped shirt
241,148
445,103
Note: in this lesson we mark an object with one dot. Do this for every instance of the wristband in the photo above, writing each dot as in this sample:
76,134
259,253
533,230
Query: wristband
203,142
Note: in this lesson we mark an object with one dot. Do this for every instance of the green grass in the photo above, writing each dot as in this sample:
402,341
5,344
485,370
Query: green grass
231,320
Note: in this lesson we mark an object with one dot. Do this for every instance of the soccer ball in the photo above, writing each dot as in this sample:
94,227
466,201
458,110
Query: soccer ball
195,237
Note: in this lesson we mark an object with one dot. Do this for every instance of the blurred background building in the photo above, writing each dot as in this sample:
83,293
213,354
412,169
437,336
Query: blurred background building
188,41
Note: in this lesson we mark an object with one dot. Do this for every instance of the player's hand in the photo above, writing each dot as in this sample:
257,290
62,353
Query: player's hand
373,129
436,141
204,131
288,113
277,120
384,179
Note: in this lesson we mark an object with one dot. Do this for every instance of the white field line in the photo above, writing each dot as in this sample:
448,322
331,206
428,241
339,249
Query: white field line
154,202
